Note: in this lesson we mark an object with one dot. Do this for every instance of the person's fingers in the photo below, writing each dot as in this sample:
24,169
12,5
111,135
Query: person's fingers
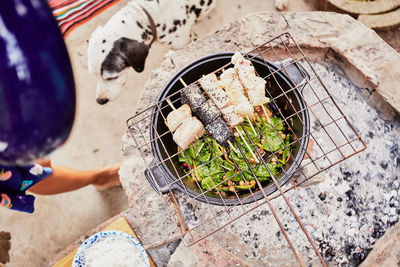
44,162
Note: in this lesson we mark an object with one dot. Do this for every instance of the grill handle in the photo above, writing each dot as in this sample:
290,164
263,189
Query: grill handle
157,179
294,70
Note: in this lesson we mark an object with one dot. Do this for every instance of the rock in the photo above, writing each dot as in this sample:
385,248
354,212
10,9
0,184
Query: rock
364,7
204,254
161,255
381,21
302,177
386,252
152,215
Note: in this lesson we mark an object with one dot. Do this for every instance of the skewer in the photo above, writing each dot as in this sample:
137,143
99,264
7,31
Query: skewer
247,145
248,119
262,106
183,82
244,140
170,104
266,115
233,147
241,136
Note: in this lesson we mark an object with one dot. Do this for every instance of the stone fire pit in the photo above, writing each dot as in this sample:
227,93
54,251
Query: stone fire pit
375,14
347,209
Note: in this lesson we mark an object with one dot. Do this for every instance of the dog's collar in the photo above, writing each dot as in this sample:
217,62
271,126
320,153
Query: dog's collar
152,25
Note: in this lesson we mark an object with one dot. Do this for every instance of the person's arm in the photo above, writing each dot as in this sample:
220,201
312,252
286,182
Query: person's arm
65,179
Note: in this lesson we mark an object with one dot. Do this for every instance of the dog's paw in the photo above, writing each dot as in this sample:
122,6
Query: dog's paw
281,4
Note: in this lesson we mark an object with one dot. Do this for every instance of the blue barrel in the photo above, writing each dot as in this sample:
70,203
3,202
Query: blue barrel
37,92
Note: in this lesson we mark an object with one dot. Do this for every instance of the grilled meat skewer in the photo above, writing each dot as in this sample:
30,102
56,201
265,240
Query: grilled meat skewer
193,96
230,115
220,131
186,128
210,116
234,90
176,117
208,112
210,85
254,85
190,130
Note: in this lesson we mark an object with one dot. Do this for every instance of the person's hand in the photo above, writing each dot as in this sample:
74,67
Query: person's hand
44,162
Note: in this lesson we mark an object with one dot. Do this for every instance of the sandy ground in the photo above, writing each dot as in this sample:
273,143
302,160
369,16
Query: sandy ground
95,142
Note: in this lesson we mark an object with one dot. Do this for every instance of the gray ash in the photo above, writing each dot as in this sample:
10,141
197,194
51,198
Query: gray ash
189,213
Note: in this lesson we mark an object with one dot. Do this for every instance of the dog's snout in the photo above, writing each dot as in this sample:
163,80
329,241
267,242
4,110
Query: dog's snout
102,101
139,69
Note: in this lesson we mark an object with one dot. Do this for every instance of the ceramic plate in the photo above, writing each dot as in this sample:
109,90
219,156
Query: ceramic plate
79,259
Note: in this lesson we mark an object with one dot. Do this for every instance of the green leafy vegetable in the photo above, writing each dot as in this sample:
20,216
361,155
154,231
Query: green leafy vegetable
277,123
233,176
285,154
206,162
272,141
243,187
207,183
261,171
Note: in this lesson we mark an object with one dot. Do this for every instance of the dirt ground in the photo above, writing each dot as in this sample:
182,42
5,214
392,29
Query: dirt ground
95,142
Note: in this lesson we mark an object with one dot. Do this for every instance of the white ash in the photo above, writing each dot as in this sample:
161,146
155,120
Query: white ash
345,214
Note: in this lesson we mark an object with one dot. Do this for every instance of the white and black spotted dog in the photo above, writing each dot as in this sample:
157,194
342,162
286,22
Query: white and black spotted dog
124,41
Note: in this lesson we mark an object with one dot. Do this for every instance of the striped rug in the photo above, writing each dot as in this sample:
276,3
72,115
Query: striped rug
72,13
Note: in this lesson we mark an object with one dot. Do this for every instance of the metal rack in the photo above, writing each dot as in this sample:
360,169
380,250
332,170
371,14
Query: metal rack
331,139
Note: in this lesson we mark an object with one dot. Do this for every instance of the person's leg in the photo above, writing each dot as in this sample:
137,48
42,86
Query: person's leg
66,179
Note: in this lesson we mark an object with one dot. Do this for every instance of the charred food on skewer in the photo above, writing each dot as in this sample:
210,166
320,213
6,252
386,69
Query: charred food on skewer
208,112
211,86
192,96
220,131
210,116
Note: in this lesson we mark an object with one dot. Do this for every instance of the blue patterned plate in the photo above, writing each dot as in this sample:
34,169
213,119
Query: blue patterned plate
79,259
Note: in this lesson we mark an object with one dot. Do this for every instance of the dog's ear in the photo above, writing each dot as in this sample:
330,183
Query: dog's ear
134,53
125,52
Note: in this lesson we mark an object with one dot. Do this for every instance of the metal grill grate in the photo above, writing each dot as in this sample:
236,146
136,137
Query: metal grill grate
325,138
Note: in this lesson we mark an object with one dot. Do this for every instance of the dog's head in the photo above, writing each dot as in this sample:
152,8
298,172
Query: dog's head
109,61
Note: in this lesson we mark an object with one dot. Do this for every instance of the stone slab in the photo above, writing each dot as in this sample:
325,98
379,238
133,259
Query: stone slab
365,7
386,251
161,255
357,220
381,21
204,254
153,216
